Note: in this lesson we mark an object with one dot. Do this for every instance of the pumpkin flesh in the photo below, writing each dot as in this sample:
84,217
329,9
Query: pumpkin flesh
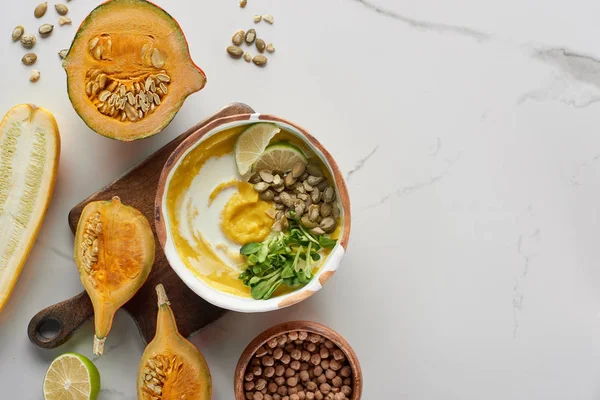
118,48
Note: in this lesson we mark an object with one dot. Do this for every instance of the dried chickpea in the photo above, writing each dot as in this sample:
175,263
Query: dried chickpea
325,364
345,371
304,366
249,386
257,370
258,396
330,396
319,395
261,384
277,353
318,370
338,355
330,374
285,398
292,381
324,353
289,347
312,386
286,359
272,343
301,395
322,340
305,355
282,340
303,376
310,347
276,396
249,395
335,365
272,388
269,372
295,365
347,381
292,390
294,397
346,390
321,379
293,336
261,351
325,388
255,361
268,397
314,338
296,354
249,376
315,359
339,396
282,390
279,370
289,373
268,361
280,380
310,396
302,335
337,382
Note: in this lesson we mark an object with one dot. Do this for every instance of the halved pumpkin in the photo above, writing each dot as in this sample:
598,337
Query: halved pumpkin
129,69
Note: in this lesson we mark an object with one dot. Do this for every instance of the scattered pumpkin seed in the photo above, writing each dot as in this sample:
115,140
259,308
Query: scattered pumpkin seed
45,29
62,9
269,18
17,33
235,51
271,48
40,10
250,36
247,57
257,18
243,3
64,21
29,58
63,53
238,37
259,60
35,75
28,41
260,45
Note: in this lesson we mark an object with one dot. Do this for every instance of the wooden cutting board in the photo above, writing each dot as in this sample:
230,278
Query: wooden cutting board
137,188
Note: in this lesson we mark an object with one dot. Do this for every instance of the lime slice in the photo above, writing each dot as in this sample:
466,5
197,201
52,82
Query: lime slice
251,144
279,157
71,376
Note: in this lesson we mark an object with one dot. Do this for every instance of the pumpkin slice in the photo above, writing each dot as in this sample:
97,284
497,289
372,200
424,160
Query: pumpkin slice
29,153
114,253
129,69
172,367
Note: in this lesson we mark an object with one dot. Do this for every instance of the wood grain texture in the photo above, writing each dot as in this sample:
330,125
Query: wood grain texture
137,188
286,327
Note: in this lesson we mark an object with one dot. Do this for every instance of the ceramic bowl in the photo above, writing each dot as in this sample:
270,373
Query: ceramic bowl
310,327
229,301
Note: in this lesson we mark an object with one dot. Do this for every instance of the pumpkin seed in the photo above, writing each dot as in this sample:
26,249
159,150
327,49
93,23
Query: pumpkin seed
104,95
130,98
35,75
267,195
29,58
156,99
64,21
40,10
261,187
63,53
45,29
307,222
88,88
260,45
163,87
326,209
102,80
163,77
235,51
132,115
62,9
328,224
314,180
298,169
259,60
250,36
271,48
17,32
247,57
317,231
329,195
257,18
243,3
28,41
314,170
269,18
238,37
158,59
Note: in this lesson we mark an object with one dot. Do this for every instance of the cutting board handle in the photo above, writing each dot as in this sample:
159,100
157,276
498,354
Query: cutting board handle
66,317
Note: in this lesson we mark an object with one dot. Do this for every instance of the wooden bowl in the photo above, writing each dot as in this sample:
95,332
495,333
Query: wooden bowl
286,327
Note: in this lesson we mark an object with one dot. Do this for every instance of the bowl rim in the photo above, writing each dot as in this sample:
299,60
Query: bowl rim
300,325
207,292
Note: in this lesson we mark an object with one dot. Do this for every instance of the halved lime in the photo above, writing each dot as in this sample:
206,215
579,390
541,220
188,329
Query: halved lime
71,376
280,157
252,143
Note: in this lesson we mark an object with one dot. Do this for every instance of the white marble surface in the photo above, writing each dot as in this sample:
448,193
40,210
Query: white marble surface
468,131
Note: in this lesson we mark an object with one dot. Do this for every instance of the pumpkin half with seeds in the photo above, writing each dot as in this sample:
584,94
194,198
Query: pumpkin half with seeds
129,69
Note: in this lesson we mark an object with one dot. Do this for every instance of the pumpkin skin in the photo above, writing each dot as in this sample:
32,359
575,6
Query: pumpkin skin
114,253
171,367
118,47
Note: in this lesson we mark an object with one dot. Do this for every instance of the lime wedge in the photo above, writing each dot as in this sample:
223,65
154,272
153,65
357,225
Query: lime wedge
279,157
251,144
71,376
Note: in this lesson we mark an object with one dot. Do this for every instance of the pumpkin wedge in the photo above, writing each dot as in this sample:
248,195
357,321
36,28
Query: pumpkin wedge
114,253
172,367
29,153
129,69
